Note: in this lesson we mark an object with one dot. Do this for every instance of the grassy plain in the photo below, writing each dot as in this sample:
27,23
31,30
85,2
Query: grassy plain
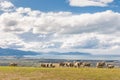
32,73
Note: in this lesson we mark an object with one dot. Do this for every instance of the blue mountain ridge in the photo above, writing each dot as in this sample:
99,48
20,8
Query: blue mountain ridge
68,53
14,52
20,53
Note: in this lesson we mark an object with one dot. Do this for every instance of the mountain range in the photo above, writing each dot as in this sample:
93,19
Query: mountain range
20,53
16,53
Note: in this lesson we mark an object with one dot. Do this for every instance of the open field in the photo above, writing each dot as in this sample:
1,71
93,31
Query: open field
32,73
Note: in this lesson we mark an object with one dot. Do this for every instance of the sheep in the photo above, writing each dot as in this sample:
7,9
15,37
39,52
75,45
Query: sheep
62,64
47,65
77,64
13,64
110,66
85,64
100,64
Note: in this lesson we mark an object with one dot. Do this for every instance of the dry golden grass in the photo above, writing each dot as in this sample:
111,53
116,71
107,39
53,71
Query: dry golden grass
27,73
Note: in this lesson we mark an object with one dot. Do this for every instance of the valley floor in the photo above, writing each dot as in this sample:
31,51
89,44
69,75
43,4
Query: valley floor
32,73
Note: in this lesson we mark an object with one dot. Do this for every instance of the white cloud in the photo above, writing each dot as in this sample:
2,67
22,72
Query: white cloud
28,29
24,19
101,22
6,5
8,40
91,41
84,3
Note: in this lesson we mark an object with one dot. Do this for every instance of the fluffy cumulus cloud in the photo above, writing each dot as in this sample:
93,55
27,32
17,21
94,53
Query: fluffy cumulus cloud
68,23
6,5
8,40
93,41
27,29
84,3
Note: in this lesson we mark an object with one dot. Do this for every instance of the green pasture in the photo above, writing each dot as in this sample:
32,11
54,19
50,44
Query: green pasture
32,73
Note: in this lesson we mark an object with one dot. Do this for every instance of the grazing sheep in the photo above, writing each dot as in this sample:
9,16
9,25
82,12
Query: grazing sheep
43,65
67,64
77,64
13,64
51,65
71,64
62,64
47,65
110,66
100,64
85,64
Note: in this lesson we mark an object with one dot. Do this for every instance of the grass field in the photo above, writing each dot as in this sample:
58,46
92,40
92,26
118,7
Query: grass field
27,73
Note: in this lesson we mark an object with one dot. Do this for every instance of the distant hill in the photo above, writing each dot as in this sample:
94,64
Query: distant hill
20,53
16,53
77,53
68,53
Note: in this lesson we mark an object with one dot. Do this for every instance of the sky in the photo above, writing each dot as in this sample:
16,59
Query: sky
61,25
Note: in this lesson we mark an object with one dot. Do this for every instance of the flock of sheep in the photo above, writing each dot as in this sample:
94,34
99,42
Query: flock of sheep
72,64
78,64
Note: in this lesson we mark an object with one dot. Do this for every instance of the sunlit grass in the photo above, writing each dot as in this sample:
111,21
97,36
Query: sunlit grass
31,73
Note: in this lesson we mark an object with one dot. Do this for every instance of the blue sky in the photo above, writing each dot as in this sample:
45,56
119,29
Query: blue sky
63,5
61,25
